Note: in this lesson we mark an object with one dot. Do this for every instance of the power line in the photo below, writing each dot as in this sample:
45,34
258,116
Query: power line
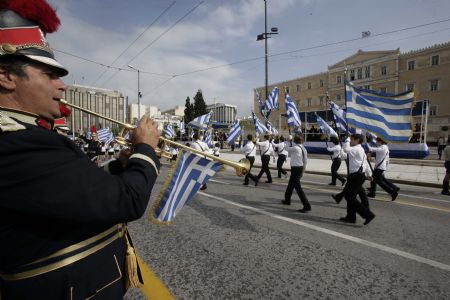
132,43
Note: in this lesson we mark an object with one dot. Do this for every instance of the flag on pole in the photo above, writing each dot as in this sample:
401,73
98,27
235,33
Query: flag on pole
186,177
326,129
293,117
104,134
259,127
169,132
110,139
270,128
181,127
208,139
272,100
202,122
235,131
339,116
386,115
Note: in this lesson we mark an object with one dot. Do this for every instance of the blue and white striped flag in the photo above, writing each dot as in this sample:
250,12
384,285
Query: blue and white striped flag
272,100
235,131
169,132
104,134
259,127
270,128
326,129
208,139
386,115
339,116
202,122
181,127
110,139
189,174
293,117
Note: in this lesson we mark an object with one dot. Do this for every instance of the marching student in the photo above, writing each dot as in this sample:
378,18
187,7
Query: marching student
249,150
266,151
358,168
282,155
299,159
445,183
216,150
336,158
198,144
381,164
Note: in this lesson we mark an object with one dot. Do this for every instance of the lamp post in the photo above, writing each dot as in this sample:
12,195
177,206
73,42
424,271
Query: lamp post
139,90
264,36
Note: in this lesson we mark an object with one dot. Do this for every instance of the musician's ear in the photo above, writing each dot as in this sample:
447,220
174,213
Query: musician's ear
7,80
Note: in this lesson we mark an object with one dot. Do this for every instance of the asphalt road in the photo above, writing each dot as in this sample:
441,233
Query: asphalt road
240,242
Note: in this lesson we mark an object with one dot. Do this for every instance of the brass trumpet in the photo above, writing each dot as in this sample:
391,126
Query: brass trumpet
242,167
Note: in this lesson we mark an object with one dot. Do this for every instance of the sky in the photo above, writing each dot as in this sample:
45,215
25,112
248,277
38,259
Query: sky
181,46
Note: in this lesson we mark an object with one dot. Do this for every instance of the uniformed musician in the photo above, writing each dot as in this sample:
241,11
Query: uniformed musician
62,219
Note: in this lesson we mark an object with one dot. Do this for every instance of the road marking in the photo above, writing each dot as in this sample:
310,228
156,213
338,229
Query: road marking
218,181
394,251
153,287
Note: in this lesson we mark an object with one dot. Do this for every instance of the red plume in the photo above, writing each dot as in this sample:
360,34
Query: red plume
65,111
38,11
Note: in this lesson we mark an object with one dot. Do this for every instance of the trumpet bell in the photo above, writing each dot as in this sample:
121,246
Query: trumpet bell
122,141
244,167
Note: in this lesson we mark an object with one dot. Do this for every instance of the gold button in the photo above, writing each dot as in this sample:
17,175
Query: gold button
8,48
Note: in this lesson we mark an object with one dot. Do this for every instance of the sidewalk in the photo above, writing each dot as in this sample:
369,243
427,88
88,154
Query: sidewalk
400,173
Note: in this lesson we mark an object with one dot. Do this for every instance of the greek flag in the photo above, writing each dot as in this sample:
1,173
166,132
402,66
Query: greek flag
326,129
235,131
272,100
339,116
293,117
270,128
189,173
104,134
259,127
208,139
110,139
169,132
386,115
201,122
181,127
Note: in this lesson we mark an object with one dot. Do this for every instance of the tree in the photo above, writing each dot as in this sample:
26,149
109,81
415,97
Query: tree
199,104
188,111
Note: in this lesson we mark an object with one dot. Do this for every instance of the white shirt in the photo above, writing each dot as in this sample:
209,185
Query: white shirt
336,149
281,148
356,158
382,159
249,149
299,155
216,151
265,147
201,146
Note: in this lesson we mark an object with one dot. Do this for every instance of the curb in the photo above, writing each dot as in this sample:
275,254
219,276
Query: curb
400,181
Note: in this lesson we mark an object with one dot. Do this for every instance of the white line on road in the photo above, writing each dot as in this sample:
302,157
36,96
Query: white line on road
338,234
218,181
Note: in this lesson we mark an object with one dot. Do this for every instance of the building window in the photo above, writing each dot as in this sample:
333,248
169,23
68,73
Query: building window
309,101
338,79
383,70
367,87
309,85
321,83
298,87
352,75
359,73
321,100
367,72
411,65
433,110
434,85
435,60
338,97
409,87
383,90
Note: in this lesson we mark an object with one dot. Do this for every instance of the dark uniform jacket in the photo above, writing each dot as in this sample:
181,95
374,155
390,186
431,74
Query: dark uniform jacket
51,197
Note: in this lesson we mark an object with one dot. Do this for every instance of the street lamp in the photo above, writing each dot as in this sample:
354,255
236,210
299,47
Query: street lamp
139,90
264,36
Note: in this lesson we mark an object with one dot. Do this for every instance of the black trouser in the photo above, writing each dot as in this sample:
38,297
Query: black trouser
280,162
361,193
354,187
251,159
334,170
378,178
265,159
294,183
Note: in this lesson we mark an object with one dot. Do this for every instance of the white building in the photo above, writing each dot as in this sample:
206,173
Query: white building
223,113
177,111
133,110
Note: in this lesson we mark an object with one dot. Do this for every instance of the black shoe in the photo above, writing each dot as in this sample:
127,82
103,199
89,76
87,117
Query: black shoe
269,181
371,195
446,193
343,182
368,219
394,196
203,188
332,183
397,189
245,183
335,198
347,220
286,202
256,181
303,210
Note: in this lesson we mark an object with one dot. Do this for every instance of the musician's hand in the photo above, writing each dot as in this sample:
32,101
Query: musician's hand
124,155
146,132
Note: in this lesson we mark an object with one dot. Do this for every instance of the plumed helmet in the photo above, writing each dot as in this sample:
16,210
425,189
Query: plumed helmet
23,27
